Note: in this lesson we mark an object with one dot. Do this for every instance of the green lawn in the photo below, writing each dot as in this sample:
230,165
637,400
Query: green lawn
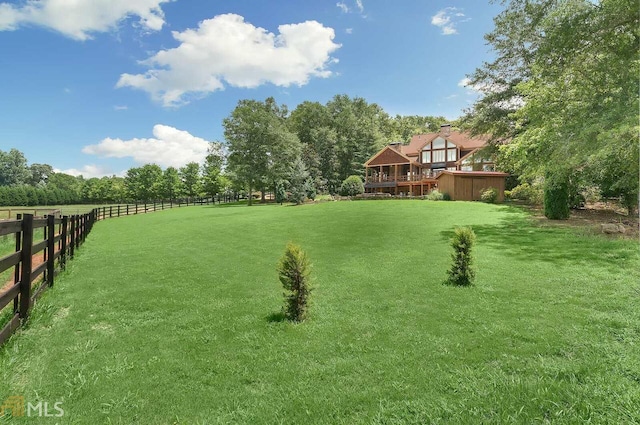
172,318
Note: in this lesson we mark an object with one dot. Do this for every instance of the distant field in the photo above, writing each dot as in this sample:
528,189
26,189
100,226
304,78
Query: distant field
172,318
10,212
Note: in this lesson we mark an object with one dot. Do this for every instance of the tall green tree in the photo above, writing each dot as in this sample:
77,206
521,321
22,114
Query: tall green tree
359,127
13,168
39,174
261,146
564,87
191,179
144,183
170,187
212,169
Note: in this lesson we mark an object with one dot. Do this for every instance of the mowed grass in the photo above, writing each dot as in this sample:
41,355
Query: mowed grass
172,317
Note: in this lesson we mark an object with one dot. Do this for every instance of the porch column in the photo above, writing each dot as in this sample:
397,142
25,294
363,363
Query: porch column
380,175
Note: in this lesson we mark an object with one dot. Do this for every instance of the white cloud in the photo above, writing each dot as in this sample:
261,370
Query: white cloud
465,82
447,20
120,107
226,49
342,6
473,90
77,19
357,4
349,30
87,171
169,147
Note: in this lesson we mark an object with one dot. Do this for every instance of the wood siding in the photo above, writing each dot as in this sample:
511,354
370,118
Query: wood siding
469,188
388,156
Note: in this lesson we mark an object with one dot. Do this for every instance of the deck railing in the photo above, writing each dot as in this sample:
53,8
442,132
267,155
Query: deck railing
384,178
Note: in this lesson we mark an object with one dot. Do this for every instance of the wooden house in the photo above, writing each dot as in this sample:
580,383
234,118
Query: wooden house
413,169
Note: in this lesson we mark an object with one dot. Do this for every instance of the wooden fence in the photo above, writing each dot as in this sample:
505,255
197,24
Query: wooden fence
62,236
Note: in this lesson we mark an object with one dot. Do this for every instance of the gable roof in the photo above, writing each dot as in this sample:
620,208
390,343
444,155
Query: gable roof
389,155
462,140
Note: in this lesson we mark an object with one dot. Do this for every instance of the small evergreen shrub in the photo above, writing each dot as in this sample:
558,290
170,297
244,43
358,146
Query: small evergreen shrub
489,195
297,194
310,189
462,272
556,198
293,272
435,195
281,193
446,196
352,186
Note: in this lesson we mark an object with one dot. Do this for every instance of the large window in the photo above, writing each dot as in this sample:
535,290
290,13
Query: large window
440,150
438,143
438,156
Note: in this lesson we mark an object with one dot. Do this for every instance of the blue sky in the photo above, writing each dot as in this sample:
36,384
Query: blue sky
104,85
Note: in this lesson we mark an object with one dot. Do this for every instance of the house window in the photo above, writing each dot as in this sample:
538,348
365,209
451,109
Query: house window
439,143
426,156
451,154
438,156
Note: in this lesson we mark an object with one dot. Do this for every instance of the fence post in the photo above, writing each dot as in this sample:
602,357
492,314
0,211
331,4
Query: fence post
51,247
127,209
16,269
110,211
72,242
154,206
83,227
63,248
25,279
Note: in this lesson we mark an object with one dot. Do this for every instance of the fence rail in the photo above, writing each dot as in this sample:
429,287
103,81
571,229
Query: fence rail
62,236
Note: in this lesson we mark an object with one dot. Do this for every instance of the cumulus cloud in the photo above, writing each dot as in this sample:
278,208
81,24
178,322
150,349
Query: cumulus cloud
77,19
87,171
226,49
169,147
448,19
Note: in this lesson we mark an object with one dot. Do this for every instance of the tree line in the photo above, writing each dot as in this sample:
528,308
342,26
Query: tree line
267,149
38,184
313,148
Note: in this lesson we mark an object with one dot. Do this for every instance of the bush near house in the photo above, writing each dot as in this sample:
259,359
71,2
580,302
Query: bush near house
489,195
531,194
352,186
435,195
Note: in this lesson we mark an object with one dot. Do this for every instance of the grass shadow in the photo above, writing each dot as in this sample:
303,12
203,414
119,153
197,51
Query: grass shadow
276,317
520,238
